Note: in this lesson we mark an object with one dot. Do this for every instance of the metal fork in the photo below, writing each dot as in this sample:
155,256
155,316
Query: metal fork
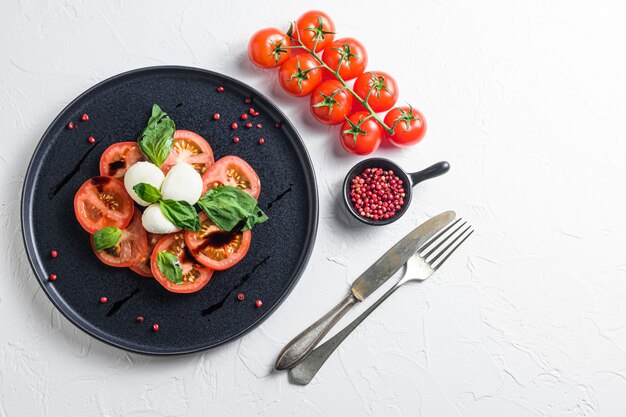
428,258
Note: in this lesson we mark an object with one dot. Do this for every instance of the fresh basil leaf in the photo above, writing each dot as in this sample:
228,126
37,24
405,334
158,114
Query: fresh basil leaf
106,238
181,213
147,192
157,137
229,207
257,218
169,265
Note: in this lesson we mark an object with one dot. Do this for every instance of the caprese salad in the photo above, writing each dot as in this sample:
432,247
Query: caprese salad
142,210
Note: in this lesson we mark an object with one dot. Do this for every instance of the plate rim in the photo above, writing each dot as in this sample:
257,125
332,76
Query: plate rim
36,263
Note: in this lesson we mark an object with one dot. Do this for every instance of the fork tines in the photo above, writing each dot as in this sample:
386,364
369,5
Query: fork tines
452,237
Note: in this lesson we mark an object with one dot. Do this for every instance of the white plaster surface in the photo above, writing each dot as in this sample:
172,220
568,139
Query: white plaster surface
526,99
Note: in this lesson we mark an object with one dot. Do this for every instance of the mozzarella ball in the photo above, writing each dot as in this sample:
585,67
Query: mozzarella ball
154,221
182,183
140,172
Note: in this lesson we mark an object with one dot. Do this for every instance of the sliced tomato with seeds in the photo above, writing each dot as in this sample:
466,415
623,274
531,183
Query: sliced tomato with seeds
195,275
117,158
216,248
191,148
102,202
234,171
143,266
129,249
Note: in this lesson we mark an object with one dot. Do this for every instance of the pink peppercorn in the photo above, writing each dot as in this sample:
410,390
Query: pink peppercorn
377,194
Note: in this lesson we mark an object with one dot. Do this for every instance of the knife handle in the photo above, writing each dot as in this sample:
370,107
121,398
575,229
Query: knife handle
303,372
303,344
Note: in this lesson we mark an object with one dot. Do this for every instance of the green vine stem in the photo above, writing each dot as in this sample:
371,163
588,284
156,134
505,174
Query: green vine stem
322,64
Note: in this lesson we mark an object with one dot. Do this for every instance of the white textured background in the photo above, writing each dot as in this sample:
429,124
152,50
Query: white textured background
527,100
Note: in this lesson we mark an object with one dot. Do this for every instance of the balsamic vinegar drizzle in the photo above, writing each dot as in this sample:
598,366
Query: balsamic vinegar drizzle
119,303
55,189
210,309
280,195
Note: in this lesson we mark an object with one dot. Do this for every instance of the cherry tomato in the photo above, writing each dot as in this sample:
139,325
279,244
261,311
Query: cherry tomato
348,55
299,75
102,202
360,134
143,266
314,26
195,276
215,248
191,148
268,48
234,171
330,103
129,249
117,158
379,88
408,124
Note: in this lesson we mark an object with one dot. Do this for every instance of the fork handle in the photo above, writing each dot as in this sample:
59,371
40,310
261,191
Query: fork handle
302,344
304,371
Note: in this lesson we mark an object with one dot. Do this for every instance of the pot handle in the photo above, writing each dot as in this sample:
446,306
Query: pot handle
432,171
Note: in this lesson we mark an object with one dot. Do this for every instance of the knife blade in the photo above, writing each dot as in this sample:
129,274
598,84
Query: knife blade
301,345
388,264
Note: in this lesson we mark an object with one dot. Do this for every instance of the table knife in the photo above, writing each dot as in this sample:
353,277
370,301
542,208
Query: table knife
367,283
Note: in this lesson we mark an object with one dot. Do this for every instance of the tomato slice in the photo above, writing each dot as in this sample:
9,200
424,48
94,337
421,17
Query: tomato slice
143,266
234,171
191,148
215,248
129,249
195,275
101,202
117,158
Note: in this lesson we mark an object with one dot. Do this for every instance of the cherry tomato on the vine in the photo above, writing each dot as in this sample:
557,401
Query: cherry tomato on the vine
268,48
348,56
360,134
379,88
314,26
408,124
331,102
299,75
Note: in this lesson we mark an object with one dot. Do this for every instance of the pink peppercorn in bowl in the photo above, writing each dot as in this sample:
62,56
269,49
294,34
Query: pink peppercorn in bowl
376,191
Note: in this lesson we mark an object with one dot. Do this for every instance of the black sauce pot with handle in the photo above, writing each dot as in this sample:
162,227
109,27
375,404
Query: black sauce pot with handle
408,178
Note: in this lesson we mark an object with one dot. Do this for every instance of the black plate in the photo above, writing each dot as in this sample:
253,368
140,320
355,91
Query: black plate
118,108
